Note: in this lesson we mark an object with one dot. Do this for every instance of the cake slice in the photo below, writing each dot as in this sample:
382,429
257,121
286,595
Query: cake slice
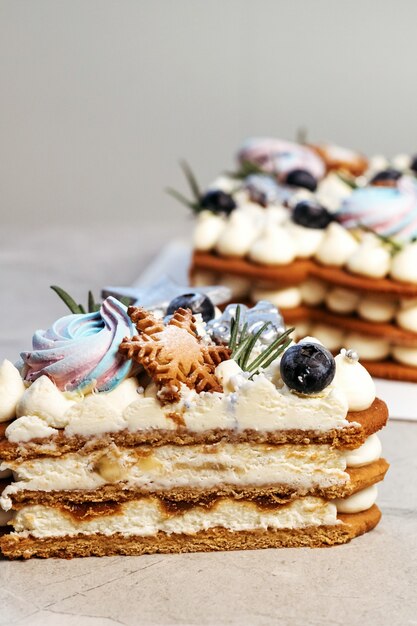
327,238
130,434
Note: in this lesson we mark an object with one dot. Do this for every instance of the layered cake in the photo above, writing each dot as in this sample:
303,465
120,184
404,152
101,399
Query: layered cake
124,432
327,236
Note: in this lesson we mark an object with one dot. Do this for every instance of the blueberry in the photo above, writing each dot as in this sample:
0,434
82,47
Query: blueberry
386,177
218,201
311,214
413,164
197,302
307,367
302,178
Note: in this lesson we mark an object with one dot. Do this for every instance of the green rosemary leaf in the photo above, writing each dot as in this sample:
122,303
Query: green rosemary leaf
269,350
81,308
242,340
91,303
178,196
241,349
347,180
234,329
125,300
246,169
276,354
67,299
395,245
192,181
252,343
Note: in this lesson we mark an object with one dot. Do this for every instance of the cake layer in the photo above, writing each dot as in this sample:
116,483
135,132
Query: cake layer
359,478
213,539
390,369
299,468
150,515
360,424
296,272
390,332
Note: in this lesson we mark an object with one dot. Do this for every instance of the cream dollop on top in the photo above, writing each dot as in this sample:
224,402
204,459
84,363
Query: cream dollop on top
306,240
371,258
99,413
255,404
404,264
331,191
207,230
337,246
275,246
44,399
11,390
237,236
354,380
29,427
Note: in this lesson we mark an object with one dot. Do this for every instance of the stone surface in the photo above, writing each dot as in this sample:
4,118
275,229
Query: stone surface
372,580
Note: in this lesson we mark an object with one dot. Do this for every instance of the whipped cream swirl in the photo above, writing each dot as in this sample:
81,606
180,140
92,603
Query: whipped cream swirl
276,156
389,211
80,351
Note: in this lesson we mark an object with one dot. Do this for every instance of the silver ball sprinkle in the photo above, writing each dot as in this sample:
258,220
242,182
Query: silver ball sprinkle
352,355
256,317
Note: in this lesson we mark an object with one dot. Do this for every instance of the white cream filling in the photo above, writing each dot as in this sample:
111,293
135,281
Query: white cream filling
407,315
169,467
200,466
286,298
146,517
360,501
405,355
367,453
258,405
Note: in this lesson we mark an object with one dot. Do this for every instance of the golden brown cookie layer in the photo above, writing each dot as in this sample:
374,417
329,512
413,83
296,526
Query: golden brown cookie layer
371,420
215,539
298,271
391,370
390,332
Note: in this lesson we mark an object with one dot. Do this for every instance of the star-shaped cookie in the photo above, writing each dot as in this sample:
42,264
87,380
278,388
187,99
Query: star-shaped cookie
173,354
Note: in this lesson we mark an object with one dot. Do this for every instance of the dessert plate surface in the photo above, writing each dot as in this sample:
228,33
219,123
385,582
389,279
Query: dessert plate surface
174,260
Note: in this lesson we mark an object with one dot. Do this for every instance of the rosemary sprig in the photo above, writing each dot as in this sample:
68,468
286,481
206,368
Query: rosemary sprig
274,349
246,169
92,306
348,180
395,245
68,300
234,329
178,196
191,179
194,205
243,342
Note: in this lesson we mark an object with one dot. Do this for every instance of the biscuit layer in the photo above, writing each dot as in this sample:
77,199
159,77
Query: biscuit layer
298,271
215,539
362,424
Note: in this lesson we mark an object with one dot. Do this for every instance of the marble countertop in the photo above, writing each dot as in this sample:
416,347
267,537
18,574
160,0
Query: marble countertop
372,580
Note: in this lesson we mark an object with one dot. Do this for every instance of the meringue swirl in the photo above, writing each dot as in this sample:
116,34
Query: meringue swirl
389,211
276,156
81,351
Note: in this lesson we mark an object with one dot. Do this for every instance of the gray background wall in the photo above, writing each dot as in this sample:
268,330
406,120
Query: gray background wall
99,98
